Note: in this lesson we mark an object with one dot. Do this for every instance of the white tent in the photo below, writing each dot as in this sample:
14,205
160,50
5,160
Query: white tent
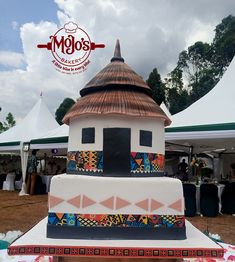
209,123
56,138
216,107
37,122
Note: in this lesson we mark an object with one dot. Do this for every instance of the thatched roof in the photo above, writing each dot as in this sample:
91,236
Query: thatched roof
116,90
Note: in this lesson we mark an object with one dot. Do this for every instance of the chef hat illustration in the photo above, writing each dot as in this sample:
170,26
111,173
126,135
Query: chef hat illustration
70,27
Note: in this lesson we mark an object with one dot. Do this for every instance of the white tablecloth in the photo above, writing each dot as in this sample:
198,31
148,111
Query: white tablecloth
46,179
220,190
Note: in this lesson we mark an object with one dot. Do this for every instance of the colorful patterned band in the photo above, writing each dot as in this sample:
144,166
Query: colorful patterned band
92,161
119,220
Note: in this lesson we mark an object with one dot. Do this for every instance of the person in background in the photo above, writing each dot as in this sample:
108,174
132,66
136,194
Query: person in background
183,169
32,172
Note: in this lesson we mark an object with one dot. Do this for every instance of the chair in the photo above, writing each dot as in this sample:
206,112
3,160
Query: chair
9,183
228,199
224,182
189,191
209,200
18,184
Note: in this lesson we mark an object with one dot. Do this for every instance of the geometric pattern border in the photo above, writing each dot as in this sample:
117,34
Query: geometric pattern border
147,162
92,161
85,161
117,220
115,203
118,252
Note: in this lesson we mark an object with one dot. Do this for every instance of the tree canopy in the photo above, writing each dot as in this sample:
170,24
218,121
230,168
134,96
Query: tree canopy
198,69
158,88
63,109
8,123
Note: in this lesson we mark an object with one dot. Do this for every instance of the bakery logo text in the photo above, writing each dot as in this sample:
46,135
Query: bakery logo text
71,47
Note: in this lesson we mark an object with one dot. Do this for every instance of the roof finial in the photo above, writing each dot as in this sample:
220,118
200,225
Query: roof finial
117,53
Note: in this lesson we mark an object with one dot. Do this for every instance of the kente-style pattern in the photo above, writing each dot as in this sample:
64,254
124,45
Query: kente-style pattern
85,161
92,161
118,220
147,162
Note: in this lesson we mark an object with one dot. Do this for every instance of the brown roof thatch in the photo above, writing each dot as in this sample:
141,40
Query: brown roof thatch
116,90
112,102
115,73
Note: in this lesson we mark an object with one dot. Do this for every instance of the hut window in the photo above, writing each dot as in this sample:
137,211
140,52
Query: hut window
145,138
88,135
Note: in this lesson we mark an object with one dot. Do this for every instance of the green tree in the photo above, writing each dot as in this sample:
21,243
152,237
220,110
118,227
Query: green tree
177,96
8,123
63,109
224,44
158,88
198,70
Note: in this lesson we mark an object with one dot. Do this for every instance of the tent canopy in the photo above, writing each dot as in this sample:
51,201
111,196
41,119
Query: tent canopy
208,124
216,107
37,122
56,138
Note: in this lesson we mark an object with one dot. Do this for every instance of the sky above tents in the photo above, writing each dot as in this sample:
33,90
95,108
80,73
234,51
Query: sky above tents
152,34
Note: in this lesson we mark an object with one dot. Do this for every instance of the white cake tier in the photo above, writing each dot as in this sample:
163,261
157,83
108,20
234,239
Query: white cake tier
79,194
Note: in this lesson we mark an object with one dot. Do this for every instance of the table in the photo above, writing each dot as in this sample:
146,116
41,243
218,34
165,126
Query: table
46,179
220,190
35,242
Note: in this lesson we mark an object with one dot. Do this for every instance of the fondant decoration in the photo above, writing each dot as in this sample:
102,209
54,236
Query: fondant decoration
118,220
177,205
109,203
54,201
71,161
144,204
155,205
114,195
92,161
85,161
116,202
88,135
116,151
120,203
145,138
86,201
75,201
146,162
120,252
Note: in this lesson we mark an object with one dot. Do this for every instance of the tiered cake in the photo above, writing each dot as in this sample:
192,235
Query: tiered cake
114,187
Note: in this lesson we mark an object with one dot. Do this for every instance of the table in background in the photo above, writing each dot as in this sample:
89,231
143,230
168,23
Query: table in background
46,179
220,190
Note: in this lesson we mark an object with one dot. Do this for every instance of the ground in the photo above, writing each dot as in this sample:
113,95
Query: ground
22,213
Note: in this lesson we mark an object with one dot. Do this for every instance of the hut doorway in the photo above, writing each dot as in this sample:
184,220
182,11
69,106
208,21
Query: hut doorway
116,151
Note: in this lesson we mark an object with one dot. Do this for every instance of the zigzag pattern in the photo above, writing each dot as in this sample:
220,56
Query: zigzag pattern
115,203
85,161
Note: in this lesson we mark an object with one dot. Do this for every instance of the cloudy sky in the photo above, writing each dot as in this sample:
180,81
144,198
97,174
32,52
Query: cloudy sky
151,33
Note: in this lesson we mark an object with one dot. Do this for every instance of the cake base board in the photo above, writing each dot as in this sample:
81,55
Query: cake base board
35,242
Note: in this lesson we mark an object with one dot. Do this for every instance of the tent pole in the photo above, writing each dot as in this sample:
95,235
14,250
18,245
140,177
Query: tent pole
24,160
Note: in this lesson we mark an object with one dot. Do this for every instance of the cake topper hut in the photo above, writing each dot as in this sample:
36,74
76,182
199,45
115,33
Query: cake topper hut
116,128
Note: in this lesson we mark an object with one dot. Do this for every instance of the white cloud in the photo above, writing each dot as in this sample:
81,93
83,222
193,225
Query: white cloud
152,34
14,25
11,59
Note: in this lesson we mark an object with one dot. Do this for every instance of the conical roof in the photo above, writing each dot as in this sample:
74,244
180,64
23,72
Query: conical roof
116,90
115,74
